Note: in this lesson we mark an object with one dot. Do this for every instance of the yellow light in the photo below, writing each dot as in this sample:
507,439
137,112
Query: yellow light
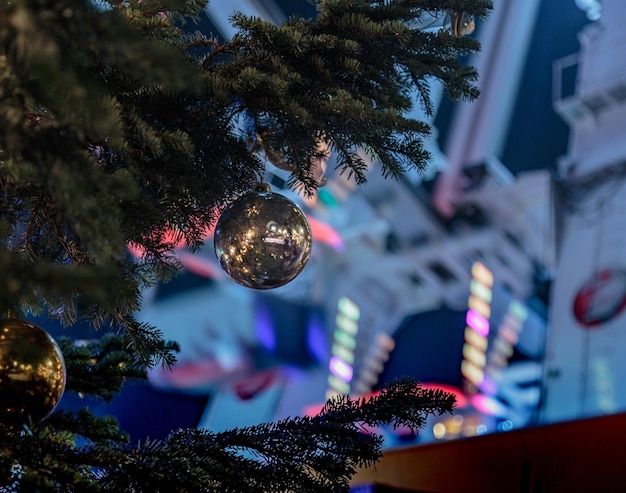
479,306
475,339
474,355
472,372
439,430
480,272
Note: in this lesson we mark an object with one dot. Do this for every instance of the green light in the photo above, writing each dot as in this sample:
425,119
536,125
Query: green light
343,353
346,324
349,308
480,290
339,385
345,339
518,310
327,198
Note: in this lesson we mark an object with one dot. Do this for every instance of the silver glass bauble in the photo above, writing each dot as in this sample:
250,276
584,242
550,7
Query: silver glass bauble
262,240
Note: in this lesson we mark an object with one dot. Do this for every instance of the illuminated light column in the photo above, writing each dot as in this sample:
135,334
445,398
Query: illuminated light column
477,328
374,363
502,347
342,359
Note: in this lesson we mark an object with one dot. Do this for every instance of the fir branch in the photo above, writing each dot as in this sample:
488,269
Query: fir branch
301,454
117,128
96,430
148,345
100,367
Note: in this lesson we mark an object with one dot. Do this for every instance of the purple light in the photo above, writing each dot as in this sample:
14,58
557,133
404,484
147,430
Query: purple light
477,322
340,369
488,386
488,405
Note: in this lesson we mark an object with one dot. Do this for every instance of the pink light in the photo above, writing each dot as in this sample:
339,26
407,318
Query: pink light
195,374
326,234
488,405
201,266
461,399
477,322
482,273
315,409
175,240
340,369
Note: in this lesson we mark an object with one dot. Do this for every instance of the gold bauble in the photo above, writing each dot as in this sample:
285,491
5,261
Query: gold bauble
32,373
262,239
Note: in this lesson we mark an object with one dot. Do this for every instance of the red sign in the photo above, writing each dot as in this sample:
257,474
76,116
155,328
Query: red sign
601,299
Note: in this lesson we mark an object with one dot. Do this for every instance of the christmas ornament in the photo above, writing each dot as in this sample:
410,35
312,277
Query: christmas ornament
461,24
257,142
318,163
262,240
32,373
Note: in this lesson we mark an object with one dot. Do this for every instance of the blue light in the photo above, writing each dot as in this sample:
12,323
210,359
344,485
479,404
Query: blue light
264,328
316,338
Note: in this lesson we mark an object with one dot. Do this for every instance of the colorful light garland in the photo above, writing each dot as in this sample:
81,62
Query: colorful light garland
344,344
477,329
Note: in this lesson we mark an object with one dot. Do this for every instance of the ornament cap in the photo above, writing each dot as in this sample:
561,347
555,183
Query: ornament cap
262,187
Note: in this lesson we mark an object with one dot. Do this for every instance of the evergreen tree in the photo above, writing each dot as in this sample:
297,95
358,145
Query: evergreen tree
119,124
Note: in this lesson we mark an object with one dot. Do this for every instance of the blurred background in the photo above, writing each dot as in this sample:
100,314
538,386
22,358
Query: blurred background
498,274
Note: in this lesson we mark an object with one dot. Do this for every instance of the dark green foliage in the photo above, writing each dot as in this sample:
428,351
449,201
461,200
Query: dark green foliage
120,126
117,127
301,454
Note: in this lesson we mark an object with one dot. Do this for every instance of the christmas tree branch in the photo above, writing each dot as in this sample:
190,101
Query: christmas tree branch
118,147
120,128
304,454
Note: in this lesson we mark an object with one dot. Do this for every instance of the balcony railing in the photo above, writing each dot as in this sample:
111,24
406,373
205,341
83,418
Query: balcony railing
575,108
